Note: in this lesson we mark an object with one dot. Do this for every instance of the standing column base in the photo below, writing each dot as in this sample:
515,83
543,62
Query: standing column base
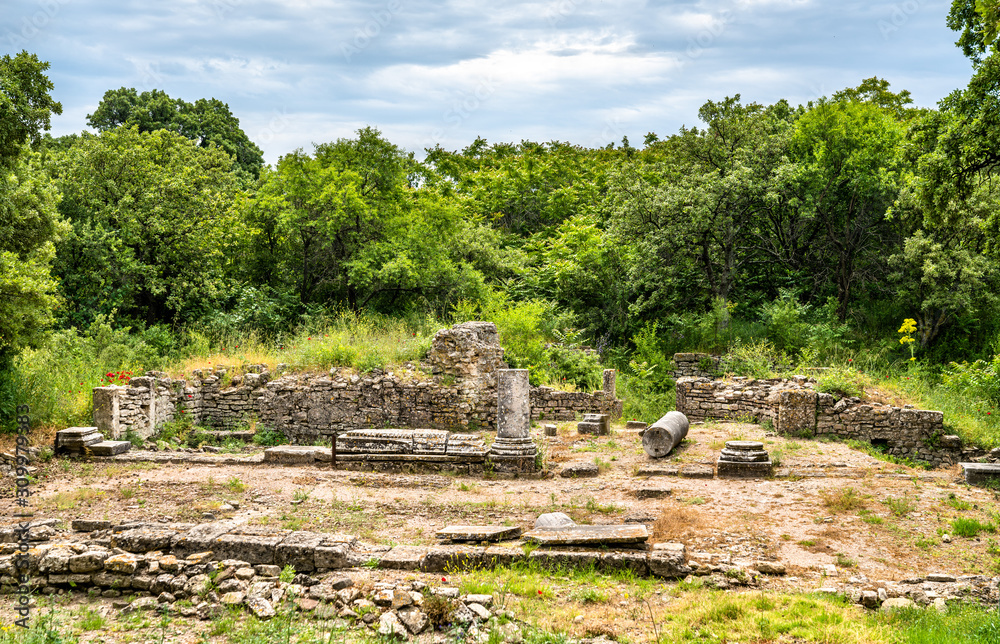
513,455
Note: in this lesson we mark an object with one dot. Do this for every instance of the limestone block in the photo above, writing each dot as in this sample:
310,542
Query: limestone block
796,411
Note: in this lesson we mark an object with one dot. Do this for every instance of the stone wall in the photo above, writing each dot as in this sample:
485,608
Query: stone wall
689,365
459,394
794,407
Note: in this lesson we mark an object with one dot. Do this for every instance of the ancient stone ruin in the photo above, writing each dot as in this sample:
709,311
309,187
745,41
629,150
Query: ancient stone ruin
664,435
455,390
744,459
794,407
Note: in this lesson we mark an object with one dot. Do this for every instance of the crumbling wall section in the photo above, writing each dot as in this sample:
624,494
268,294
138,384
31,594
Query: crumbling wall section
794,407
455,390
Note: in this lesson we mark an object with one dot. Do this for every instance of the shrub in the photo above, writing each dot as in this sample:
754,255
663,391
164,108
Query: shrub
268,437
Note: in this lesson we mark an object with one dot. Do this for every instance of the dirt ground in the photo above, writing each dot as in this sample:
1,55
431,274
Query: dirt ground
800,519
839,513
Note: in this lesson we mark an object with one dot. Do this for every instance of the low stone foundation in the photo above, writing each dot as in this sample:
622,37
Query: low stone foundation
794,407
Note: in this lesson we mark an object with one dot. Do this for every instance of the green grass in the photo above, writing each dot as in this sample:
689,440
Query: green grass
970,528
900,506
959,625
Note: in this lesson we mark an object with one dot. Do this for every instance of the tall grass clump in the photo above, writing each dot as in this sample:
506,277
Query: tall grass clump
55,379
961,624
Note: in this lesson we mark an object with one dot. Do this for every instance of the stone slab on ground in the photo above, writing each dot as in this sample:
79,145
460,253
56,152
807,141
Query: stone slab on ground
89,525
403,558
478,533
697,471
981,473
110,448
588,535
291,454
580,469
658,470
653,492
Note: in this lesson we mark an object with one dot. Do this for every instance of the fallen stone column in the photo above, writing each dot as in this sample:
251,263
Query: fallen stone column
665,434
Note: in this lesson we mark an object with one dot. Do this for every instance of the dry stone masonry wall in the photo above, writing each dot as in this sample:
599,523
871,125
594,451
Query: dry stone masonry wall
460,394
794,407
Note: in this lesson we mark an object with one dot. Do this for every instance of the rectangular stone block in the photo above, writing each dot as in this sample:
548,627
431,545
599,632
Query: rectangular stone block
255,546
298,550
448,558
110,448
404,558
588,535
478,533
981,474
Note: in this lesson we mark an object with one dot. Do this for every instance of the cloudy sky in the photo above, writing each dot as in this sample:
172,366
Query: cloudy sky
298,72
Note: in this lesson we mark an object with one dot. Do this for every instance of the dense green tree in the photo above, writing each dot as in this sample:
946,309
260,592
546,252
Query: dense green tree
206,121
28,219
152,226
690,203
527,187
851,172
346,226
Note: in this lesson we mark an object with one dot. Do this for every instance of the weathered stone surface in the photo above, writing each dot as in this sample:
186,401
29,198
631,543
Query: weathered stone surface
250,544
653,492
109,448
731,469
298,550
565,559
89,525
403,558
897,603
260,607
696,471
770,567
664,435
658,470
981,474
447,558
636,426
550,430
200,538
390,626
668,560
796,412
597,424
292,454
414,619
144,539
635,562
478,533
125,564
588,535
553,520
580,469
88,561
744,459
